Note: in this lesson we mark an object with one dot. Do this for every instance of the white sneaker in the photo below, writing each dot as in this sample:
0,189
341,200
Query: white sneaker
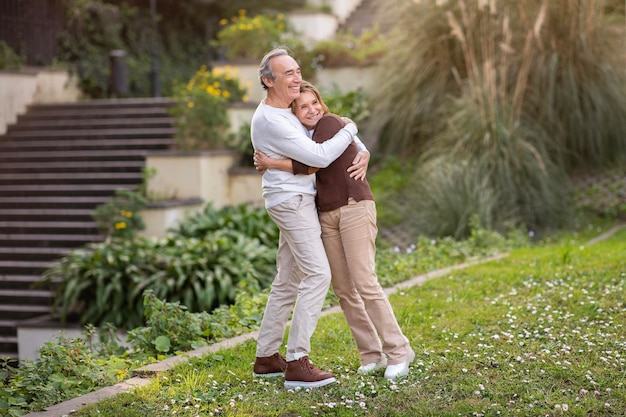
371,367
401,369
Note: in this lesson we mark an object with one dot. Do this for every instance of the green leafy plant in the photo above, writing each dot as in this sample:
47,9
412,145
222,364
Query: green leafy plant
120,216
9,59
94,28
172,328
250,37
200,267
346,49
201,114
65,369
353,104
499,114
244,146
250,221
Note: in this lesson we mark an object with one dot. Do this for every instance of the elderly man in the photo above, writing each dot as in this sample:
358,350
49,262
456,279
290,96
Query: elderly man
303,273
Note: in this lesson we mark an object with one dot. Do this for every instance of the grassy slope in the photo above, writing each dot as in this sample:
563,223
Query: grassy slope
538,333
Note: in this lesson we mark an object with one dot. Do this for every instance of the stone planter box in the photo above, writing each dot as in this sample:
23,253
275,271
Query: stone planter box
33,85
32,334
240,114
314,26
190,180
345,79
159,217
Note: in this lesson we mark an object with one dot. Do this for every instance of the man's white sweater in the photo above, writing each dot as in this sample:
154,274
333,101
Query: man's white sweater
279,134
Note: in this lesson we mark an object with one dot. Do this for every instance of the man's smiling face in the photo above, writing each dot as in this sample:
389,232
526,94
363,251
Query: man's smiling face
286,84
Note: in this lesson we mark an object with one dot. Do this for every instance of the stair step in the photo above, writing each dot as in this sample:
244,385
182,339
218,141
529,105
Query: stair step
37,227
24,156
22,312
104,104
62,176
90,113
92,133
50,239
72,123
81,188
26,294
8,339
48,214
37,253
72,166
8,328
34,250
4,225
26,264
72,178
9,354
15,282
8,343
35,268
54,202
12,145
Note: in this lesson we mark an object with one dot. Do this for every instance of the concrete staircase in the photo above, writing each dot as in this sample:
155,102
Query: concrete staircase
57,163
365,16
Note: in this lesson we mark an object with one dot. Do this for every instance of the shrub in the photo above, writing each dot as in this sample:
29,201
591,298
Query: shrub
104,282
443,44
249,221
120,216
249,38
65,369
9,59
346,49
172,328
353,104
94,28
497,110
200,112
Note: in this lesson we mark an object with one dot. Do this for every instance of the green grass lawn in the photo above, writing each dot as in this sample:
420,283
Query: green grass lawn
540,332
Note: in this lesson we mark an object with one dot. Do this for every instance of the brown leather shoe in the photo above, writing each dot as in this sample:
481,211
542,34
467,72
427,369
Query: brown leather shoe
270,366
302,373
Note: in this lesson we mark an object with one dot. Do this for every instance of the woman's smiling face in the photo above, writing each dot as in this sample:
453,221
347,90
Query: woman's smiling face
308,109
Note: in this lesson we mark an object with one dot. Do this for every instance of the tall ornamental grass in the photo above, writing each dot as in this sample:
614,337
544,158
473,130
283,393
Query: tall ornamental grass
498,101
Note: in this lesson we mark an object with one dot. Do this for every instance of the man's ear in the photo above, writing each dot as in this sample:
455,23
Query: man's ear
268,83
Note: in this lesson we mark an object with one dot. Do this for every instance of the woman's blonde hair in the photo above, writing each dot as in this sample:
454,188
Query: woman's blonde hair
308,87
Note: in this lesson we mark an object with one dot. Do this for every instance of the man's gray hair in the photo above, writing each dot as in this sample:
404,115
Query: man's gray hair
265,70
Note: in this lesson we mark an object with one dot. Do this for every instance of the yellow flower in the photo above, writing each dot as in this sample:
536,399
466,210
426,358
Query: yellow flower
120,225
223,22
226,93
190,104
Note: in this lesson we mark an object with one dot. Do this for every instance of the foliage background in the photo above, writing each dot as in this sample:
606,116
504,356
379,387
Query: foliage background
507,100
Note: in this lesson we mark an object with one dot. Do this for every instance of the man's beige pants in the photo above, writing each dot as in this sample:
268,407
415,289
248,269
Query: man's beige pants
303,278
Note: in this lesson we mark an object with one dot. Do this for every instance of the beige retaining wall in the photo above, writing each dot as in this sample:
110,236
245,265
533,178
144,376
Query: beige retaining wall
18,89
